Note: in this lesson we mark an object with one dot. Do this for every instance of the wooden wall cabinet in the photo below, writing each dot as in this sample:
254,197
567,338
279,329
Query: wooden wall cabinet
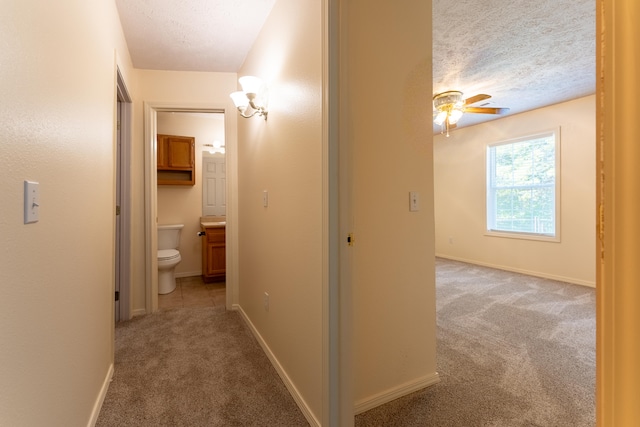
176,160
214,258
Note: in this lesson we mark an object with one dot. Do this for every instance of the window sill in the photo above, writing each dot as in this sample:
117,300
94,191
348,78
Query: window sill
523,236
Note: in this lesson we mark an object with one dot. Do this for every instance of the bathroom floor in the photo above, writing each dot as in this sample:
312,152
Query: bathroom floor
193,292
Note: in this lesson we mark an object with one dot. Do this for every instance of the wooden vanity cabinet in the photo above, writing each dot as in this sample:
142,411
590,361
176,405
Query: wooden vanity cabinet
176,160
214,255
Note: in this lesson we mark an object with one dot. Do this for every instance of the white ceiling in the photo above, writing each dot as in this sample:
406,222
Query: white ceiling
191,35
526,54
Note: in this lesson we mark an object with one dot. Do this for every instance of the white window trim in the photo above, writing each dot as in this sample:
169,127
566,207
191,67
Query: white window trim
558,194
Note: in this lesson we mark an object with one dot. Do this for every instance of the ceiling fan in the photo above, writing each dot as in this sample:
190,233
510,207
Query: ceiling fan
450,106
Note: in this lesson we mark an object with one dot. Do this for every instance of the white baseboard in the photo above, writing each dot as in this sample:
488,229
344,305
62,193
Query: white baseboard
189,274
304,408
523,271
138,312
101,396
387,396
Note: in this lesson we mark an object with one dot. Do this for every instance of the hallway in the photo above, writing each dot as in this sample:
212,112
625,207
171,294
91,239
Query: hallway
193,363
193,292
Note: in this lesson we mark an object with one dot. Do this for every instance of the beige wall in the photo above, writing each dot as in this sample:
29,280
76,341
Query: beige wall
281,245
460,182
171,88
182,204
56,312
387,89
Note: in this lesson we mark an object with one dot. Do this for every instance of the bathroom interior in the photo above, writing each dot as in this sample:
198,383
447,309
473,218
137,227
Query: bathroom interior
191,206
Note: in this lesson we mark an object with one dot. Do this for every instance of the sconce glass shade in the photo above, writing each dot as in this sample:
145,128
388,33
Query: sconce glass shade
250,84
252,99
240,100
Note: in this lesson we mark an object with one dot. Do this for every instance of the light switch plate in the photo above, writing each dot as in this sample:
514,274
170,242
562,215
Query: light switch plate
414,201
31,202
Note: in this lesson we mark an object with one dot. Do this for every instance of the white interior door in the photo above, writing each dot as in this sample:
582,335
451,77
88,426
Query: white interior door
214,184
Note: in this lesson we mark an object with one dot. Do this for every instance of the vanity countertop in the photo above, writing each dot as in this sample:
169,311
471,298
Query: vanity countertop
213,221
213,224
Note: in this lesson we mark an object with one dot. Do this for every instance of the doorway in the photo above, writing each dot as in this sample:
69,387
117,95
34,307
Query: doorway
184,203
151,111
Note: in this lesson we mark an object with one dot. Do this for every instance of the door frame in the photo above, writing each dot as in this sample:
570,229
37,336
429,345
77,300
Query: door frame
617,273
151,197
124,108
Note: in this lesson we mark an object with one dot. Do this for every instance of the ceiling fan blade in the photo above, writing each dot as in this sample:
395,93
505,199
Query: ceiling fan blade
485,110
476,98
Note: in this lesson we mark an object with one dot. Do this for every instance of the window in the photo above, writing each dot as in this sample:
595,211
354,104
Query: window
522,186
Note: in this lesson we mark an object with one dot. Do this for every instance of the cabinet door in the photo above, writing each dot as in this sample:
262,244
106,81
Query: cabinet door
163,159
181,152
216,260
214,256
176,160
176,152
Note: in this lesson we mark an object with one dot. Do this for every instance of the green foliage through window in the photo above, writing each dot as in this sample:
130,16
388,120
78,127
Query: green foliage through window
521,186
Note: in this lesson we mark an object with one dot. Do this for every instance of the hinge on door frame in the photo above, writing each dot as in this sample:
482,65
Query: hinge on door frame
117,210
117,295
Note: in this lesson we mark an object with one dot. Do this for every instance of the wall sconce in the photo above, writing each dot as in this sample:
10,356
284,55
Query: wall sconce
251,99
216,147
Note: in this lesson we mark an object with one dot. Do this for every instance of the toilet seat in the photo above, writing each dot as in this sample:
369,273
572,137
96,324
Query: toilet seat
168,254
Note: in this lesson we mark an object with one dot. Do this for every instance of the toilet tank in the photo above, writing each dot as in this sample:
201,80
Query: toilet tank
169,236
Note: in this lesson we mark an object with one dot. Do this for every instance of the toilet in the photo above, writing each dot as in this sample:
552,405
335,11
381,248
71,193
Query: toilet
168,256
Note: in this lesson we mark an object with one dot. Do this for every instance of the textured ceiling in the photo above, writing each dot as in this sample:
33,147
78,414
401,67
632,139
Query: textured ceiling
526,54
191,35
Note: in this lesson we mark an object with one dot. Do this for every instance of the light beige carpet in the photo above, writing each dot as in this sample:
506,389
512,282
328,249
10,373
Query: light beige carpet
513,350
194,367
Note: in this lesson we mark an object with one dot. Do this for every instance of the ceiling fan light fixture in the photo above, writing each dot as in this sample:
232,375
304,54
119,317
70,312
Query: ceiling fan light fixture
455,114
452,98
440,118
449,108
